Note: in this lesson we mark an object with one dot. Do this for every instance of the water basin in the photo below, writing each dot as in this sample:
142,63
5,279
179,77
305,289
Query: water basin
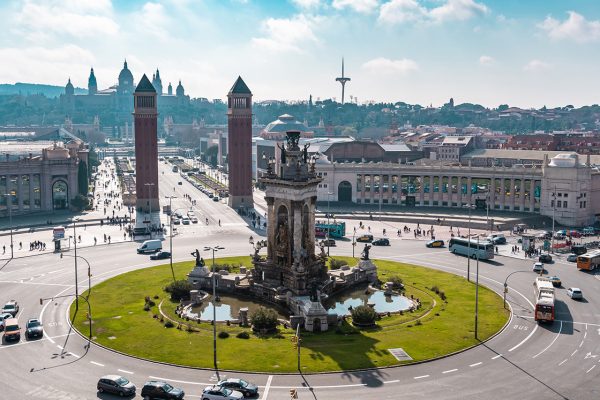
228,308
339,304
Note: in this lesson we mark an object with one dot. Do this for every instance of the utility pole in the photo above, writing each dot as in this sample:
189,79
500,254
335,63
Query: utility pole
75,258
171,234
469,246
214,302
343,79
553,216
477,290
9,205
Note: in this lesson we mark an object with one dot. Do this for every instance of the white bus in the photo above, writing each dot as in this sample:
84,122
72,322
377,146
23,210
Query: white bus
544,299
482,249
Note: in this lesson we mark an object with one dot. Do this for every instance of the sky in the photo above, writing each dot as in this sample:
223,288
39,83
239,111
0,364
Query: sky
522,53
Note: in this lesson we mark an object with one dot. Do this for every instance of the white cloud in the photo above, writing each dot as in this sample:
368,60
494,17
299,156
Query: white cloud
286,34
38,20
153,20
536,65
486,61
576,28
386,66
401,11
361,6
307,4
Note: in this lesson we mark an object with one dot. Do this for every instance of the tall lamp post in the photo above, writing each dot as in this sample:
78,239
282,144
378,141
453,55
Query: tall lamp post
214,285
553,216
150,205
9,206
89,270
75,259
328,214
171,234
469,247
477,290
353,243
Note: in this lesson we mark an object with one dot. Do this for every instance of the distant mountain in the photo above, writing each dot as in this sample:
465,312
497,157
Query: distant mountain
27,89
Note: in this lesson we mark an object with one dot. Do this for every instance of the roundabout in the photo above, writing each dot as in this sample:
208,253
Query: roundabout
442,325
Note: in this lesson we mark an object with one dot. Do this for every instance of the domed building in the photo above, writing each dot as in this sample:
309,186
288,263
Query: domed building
276,130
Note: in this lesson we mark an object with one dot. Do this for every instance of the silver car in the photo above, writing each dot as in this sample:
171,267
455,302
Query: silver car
575,293
572,258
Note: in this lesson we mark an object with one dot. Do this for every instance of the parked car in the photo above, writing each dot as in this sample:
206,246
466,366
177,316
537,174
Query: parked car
572,258
365,238
194,219
538,267
185,220
216,198
117,385
328,242
497,238
12,330
556,282
161,390
246,388
34,329
381,242
160,255
578,249
435,243
545,258
176,221
180,183
12,308
220,393
4,317
575,293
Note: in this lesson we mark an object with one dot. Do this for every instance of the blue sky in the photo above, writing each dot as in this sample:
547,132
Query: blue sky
524,53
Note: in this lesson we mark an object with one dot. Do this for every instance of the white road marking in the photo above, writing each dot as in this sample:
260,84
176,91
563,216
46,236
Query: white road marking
498,356
584,334
593,366
556,337
581,344
174,380
394,381
476,364
563,361
524,340
421,377
450,370
97,363
267,387
573,353
37,283
566,322
125,371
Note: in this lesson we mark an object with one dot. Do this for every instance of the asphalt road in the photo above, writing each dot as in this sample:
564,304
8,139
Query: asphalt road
526,360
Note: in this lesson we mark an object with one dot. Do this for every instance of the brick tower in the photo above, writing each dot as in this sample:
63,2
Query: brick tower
239,127
146,151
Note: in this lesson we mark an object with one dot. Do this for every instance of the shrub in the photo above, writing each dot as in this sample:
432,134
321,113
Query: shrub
146,307
179,290
243,335
364,315
337,264
156,297
264,318
169,324
223,335
80,202
442,295
435,289
418,322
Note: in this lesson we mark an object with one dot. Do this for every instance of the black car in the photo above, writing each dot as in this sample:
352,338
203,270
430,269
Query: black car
545,258
381,242
246,388
160,255
34,329
161,390
117,385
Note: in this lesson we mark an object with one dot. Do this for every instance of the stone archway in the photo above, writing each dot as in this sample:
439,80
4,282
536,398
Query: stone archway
317,325
345,191
60,195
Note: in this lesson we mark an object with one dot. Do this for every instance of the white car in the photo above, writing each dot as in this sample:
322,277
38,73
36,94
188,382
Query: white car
575,293
4,317
572,258
220,393
538,267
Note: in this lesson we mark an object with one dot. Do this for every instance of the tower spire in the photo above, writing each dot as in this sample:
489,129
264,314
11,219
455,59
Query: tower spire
343,79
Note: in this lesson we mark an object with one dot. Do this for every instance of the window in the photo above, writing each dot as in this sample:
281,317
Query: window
566,194
559,194
552,203
565,204
584,204
559,204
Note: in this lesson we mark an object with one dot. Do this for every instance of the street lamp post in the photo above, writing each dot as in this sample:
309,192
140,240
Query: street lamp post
89,270
149,205
506,285
9,206
553,216
469,247
477,290
328,214
75,259
353,243
214,285
171,234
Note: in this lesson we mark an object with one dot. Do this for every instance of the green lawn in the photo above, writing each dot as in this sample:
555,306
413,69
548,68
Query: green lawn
120,322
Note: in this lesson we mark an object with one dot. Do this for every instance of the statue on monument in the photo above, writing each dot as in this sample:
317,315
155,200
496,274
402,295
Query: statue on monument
305,153
365,252
199,260
282,148
282,236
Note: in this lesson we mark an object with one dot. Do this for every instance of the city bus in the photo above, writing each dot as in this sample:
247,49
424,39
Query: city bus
335,229
588,261
482,249
544,299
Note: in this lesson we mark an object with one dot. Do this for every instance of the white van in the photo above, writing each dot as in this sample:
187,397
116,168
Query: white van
150,246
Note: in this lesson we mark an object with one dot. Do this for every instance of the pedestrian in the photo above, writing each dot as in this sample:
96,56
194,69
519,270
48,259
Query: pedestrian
3,249
20,245
95,240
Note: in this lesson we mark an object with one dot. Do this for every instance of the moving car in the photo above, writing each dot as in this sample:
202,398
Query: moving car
497,238
435,243
572,258
150,246
246,388
216,198
556,282
161,390
160,255
575,293
34,329
116,384
545,258
578,249
328,242
185,220
4,317
176,221
194,219
220,393
365,238
381,242
12,330
12,308
538,267
180,183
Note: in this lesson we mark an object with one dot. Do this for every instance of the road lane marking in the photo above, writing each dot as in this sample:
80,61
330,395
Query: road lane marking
559,320
450,370
394,381
37,283
421,377
524,340
563,361
97,363
125,371
174,380
267,387
498,356
573,353
476,364
593,366
556,337
581,344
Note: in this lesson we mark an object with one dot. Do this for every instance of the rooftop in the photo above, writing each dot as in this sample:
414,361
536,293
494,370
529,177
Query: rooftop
145,86
240,87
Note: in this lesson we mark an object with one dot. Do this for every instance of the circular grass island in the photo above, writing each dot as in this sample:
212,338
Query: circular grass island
132,314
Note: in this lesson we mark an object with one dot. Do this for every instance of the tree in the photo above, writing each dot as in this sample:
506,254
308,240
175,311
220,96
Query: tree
264,318
363,315
179,290
82,178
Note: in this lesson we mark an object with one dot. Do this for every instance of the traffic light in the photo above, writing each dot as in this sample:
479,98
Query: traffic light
293,394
